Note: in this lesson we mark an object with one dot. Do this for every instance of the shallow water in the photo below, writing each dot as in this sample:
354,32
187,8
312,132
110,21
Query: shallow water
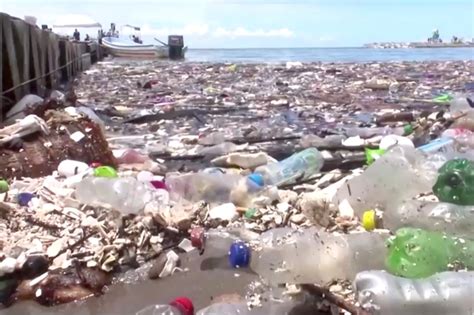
328,54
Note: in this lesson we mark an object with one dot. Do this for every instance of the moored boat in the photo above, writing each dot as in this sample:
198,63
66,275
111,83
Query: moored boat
122,47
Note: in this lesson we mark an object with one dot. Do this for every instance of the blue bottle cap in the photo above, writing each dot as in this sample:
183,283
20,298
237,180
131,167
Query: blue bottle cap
239,255
256,178
24,198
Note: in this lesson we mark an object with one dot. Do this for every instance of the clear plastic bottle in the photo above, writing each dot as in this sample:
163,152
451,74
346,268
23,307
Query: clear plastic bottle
214,187
310,256
434,216
126,194
378,131
400,174
300,165
242,309
441,294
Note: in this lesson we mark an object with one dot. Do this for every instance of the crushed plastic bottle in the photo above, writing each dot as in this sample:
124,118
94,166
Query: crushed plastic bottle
441,294
379,187
127,194
310,256
416,253
455,183
434,216
301,165
179,306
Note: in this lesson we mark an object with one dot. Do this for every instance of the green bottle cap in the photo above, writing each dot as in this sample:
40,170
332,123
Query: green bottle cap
407,130
3,186
373,154
105,171
250,213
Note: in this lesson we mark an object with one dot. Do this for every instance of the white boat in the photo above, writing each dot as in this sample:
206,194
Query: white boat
123,47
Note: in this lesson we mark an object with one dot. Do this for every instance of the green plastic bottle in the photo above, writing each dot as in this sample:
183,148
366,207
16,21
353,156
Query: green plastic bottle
416,253
3,186
105,171
455,182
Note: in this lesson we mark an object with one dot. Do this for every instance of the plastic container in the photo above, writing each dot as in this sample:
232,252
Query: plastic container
301,165
441,294
310,256
127,194
417,253
434,216
179,306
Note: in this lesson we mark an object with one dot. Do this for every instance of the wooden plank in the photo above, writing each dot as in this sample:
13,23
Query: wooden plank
23,54
11,56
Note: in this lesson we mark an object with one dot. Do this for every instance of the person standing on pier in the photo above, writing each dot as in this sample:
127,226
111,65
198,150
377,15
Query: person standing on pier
77,35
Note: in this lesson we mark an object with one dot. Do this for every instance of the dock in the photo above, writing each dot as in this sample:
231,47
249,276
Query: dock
35,61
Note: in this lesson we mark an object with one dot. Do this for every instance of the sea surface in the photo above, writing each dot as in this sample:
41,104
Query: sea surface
277,55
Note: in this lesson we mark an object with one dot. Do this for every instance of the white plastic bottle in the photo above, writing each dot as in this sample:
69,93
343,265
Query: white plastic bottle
446,293
310,256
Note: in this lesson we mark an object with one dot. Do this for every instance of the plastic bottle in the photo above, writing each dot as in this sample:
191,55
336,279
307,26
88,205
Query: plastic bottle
213,187
366,133
242,309
127,194
441,294
310,256
455,183
301,165
399,174
463,105
433,216
417,253
179,306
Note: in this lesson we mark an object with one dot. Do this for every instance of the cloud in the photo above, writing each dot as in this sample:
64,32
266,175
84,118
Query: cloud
187,30
204,30
243,32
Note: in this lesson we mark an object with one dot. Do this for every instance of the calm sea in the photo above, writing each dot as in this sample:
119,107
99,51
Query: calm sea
328,54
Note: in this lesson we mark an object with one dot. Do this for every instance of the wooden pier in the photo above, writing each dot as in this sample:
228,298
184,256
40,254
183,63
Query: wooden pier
35,61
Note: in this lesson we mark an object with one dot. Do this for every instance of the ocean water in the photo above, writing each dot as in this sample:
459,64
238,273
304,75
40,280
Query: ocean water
271,55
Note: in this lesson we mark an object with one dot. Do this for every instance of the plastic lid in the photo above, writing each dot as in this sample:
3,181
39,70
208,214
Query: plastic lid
3,186
408,129
369,220
198,237
25,198
184,304
105,171
239,254
256,178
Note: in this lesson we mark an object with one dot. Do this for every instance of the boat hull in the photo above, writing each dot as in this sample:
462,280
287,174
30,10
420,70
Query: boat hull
121,49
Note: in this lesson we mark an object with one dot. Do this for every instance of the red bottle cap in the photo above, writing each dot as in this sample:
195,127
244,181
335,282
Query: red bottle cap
184,304
95,164
198,237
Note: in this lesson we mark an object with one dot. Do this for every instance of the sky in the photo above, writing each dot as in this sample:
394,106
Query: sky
261,23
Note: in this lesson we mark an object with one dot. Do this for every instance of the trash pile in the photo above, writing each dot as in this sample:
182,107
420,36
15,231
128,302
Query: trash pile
348,188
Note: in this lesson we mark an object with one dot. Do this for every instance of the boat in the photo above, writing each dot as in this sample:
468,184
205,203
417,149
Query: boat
123,47
131,46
